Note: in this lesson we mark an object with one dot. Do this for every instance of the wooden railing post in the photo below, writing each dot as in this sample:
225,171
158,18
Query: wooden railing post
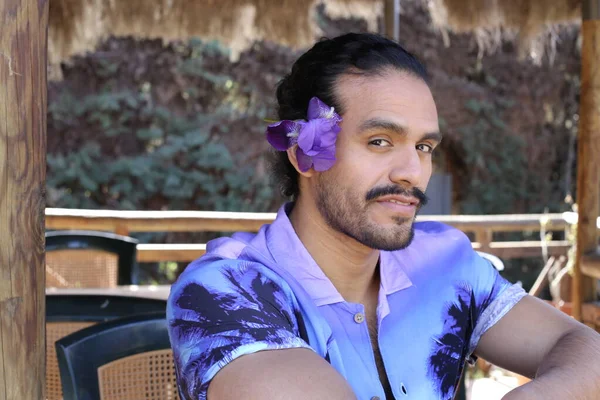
23,36
121,229
484,238
588,153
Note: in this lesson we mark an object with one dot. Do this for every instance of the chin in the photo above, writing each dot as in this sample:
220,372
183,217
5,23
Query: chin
389,239
393,246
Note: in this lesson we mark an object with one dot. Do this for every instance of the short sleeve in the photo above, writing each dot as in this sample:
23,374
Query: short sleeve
493,296
222,310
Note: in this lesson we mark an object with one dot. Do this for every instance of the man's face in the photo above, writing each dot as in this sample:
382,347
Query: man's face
384,161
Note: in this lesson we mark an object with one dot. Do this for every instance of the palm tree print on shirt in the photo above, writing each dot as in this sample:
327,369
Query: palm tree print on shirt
449,349
212,320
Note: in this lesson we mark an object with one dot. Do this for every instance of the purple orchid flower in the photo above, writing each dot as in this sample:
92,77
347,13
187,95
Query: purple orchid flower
315,137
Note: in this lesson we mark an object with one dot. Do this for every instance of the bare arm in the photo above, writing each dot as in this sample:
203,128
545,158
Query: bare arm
292,374
536,340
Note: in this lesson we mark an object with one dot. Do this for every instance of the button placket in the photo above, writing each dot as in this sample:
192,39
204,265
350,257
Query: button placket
359,318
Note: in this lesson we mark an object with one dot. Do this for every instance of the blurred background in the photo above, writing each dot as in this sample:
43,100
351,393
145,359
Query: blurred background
160,106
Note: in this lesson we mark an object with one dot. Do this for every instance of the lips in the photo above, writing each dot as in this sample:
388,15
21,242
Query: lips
405,206
401,200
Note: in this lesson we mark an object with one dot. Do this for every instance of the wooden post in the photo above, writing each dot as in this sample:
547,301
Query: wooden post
121,229
23,48
484,237
392,19
588,152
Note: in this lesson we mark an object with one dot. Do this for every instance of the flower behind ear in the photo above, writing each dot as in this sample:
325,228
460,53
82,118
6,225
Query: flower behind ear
315,137
279,134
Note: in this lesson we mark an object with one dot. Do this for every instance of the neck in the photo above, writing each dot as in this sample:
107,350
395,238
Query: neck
349,265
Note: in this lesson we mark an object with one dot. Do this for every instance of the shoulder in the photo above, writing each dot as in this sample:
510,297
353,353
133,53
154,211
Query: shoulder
437,228
449,253
442,251
228,260
441,236
206,284
222,309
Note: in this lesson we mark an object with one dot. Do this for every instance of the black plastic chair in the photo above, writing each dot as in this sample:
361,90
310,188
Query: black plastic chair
128,357
98,308
66,314
78,263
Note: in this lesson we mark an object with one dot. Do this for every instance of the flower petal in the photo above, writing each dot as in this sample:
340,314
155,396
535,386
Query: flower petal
277,134
304,162
315,138
328,137
317,109
309,133
324,160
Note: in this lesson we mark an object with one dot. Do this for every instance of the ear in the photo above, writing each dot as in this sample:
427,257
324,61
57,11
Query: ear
292,157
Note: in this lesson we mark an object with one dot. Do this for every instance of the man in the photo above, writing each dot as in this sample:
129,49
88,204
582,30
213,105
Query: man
343,296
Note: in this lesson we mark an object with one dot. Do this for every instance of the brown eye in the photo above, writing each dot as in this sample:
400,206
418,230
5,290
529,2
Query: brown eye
425,148
380,143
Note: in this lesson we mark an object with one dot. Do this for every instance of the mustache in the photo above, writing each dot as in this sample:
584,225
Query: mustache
398,190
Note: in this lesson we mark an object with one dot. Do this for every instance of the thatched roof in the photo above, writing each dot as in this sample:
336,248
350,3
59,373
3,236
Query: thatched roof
527,16
489,19
77,25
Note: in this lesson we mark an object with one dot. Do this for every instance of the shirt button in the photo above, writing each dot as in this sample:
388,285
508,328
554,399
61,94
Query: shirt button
359,318
375,398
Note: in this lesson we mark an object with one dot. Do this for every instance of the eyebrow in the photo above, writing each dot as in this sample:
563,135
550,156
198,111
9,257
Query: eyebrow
377,123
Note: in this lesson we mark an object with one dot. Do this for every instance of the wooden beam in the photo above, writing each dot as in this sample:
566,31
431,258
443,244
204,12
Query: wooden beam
590,264
588,153
156,221
169,252
182,252
524,249
392,19
217,221
23,36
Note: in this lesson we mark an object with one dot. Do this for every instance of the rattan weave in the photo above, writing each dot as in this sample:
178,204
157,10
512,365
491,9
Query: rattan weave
54,332
149,376
81,268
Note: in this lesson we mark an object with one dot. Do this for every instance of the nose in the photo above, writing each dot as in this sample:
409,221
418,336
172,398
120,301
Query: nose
407,169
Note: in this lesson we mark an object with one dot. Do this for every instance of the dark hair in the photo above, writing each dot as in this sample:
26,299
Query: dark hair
315,74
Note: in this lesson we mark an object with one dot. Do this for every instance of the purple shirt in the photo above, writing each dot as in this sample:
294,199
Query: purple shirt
263,291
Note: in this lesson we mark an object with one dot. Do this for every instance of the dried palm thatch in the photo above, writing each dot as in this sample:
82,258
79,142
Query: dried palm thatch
77,25
528,16
370,11
531,19
72,25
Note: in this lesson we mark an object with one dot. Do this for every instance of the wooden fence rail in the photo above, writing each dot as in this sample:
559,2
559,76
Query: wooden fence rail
504,250
482,227
217,221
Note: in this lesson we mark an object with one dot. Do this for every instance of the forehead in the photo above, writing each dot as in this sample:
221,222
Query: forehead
394,95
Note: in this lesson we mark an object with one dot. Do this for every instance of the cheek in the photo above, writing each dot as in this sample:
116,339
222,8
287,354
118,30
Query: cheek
343,150
348,178
427,170
349,159
356,168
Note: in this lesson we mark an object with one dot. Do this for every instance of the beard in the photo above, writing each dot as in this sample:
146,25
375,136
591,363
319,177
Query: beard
346,212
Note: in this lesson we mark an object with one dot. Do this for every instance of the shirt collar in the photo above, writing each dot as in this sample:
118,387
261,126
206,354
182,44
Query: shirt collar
290,254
